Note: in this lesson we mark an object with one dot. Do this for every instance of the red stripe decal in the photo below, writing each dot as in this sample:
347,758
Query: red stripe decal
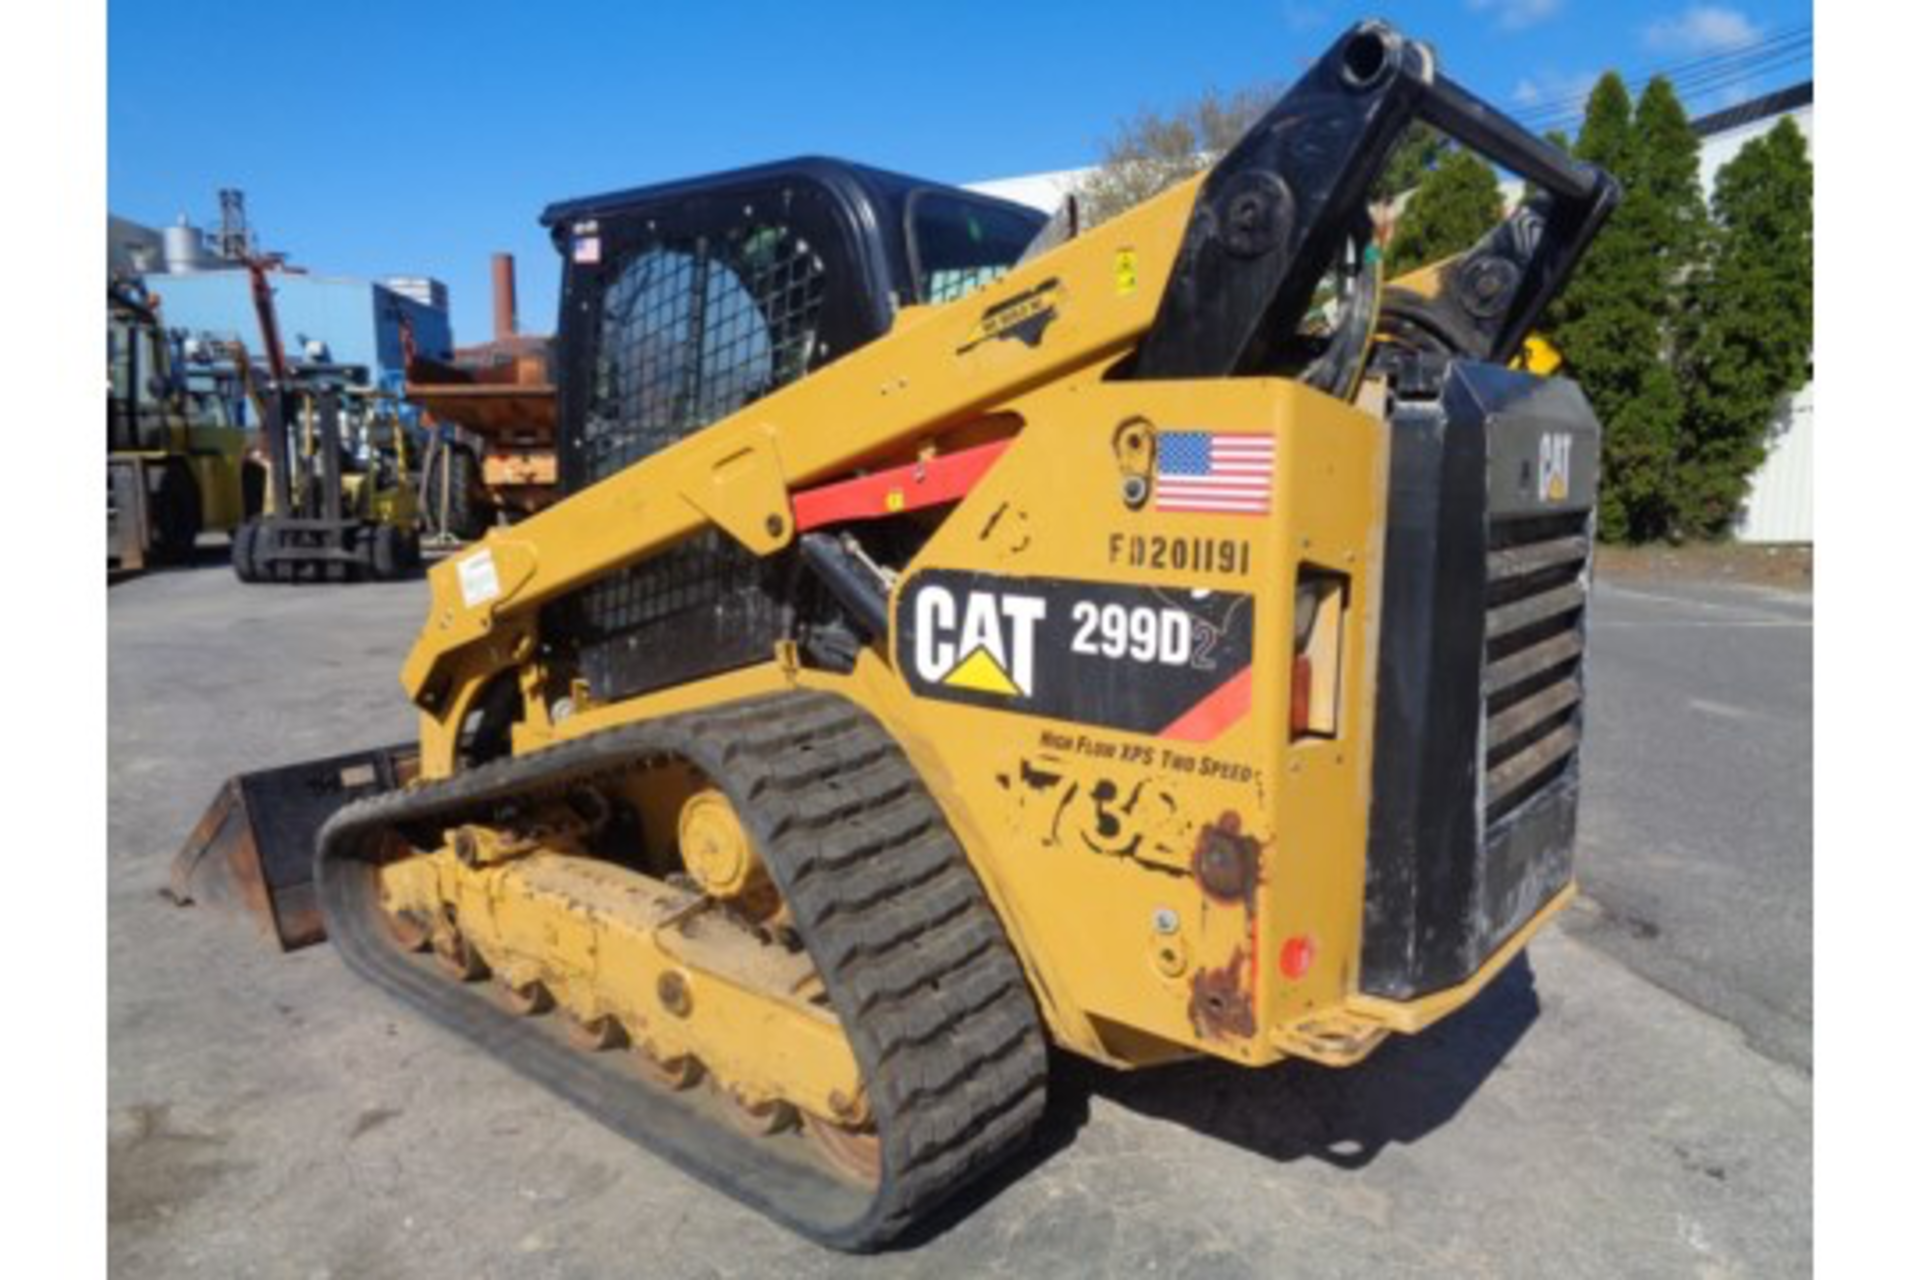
917,484
1214,714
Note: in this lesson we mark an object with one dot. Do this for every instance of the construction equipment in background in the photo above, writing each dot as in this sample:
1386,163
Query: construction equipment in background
340,503
491,412
176,450
941,653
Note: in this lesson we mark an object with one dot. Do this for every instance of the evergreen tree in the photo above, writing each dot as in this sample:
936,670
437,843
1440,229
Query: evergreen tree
1748,339
1451,209
1416,155
1665,172
1606,134
1608,326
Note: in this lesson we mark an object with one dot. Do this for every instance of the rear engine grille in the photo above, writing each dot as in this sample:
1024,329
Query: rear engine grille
1536,604
1481,686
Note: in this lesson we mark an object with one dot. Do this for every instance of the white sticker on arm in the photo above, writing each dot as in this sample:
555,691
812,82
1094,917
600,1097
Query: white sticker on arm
479,580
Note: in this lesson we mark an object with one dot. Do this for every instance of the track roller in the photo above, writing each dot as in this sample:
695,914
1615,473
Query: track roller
596,1035
526,999
675,1072
458,957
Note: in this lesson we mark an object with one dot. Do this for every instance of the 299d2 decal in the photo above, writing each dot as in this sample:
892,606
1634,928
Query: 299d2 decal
1144,659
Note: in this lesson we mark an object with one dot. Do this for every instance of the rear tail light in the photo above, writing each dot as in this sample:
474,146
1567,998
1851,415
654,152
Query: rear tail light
1296,957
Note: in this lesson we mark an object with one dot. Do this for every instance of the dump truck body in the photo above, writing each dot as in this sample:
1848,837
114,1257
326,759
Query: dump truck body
944,651
495,455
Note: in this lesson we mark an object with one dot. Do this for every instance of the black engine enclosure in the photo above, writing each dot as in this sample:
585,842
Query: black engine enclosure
1490,515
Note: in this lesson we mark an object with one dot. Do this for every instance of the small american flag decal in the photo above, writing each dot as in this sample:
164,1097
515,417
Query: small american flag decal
1214,472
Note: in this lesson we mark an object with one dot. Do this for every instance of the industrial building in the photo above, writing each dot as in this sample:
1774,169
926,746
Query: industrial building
203,287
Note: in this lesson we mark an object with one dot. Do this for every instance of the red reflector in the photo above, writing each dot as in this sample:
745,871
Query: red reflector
1300,712
1296,957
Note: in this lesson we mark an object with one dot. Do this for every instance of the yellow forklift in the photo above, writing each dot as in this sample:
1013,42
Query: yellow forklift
176,448
340,505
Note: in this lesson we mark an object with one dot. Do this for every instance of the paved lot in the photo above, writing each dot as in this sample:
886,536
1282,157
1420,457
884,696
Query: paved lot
1634,1101
1697,831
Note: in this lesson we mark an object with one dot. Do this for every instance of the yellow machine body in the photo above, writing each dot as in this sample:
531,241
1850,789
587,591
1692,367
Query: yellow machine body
1123,651
1094,873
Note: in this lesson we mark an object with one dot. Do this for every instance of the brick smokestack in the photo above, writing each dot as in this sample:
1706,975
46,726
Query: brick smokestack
506,311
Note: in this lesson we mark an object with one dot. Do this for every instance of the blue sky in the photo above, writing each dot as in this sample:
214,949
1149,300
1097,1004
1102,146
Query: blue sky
418,137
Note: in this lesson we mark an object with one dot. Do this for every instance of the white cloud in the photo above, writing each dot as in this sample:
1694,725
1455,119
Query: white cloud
1512,15
1705,28
1735,94
1555,88
1304,17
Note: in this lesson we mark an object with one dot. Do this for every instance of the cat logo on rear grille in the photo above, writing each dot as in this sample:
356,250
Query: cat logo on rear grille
1556,465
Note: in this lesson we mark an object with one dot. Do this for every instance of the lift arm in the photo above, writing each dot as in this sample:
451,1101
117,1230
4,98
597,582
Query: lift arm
1218,272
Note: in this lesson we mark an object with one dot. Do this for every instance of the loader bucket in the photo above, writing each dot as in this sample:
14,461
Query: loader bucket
252,850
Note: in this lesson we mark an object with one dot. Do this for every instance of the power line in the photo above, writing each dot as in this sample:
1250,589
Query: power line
1791,35
1798,37
1754,57
1705,81
1729,79
1702,79
1768,82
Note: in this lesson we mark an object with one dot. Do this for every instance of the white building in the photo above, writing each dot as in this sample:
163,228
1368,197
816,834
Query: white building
1043,191
1780,507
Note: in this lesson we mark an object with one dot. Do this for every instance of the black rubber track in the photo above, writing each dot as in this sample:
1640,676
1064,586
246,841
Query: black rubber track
912,956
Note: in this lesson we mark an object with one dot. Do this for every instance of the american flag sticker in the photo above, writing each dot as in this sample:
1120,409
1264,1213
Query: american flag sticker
1216,472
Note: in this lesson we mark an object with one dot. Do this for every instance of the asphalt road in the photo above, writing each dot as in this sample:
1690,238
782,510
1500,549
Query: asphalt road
1696,846
1631,1101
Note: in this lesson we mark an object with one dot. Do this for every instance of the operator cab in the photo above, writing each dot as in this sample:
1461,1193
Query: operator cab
685,302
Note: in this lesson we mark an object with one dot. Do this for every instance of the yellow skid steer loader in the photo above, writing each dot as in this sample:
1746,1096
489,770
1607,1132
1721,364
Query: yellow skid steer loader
959,638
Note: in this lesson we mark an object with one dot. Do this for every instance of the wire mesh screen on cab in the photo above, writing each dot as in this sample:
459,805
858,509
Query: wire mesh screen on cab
693,331
690,331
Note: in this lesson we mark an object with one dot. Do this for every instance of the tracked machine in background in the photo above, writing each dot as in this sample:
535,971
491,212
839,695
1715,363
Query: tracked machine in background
954,642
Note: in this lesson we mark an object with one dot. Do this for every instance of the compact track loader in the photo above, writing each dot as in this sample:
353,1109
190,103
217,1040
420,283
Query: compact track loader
961,637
